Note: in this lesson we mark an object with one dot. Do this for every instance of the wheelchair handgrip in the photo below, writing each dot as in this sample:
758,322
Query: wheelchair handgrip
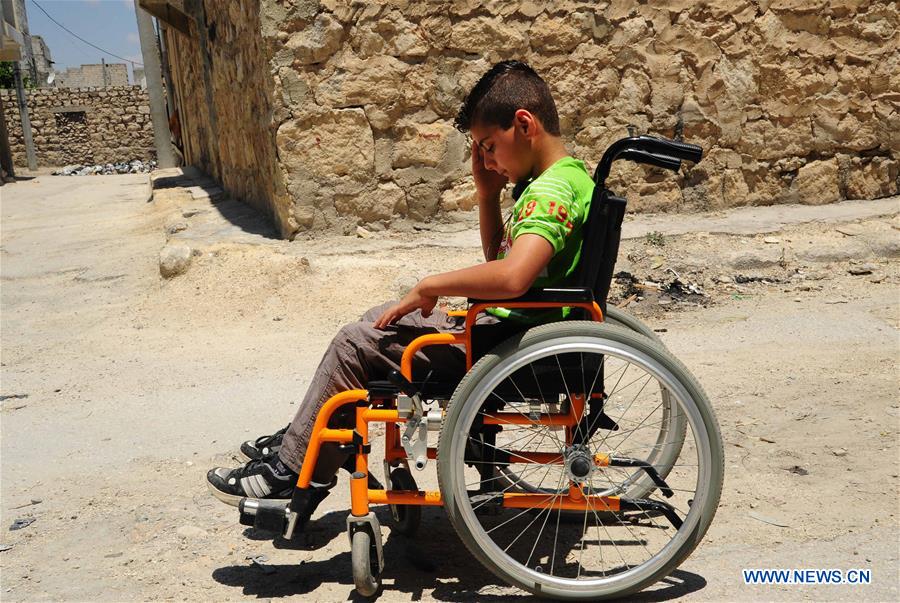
674,148
663,161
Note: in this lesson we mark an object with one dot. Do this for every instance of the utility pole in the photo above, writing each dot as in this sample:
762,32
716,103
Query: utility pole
153,72
103,66
23,115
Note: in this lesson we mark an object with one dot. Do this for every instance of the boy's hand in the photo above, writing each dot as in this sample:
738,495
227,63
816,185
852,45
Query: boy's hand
414,300
488,183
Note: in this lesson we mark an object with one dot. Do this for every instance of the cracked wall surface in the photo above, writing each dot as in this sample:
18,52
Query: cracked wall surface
348,106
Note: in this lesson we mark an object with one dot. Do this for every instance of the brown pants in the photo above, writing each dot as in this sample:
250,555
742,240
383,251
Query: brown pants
360,353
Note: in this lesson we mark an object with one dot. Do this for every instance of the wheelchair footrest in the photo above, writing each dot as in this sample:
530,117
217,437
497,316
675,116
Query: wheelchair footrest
268,516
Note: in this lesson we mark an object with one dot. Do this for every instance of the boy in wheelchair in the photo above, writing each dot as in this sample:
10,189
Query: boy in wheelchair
513,122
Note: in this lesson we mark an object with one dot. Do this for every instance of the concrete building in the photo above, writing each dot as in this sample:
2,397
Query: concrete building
15,14
93,76
137,75
43,63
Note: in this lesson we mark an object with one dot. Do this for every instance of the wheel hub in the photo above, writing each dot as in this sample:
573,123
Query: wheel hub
579,463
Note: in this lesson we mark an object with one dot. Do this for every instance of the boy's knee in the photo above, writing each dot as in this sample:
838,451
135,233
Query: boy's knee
355,332
372,314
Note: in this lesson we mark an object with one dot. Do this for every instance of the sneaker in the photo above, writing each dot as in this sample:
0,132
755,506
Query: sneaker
253,450
266,478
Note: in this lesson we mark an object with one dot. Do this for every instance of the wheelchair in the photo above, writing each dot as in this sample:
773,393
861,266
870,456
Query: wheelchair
577,460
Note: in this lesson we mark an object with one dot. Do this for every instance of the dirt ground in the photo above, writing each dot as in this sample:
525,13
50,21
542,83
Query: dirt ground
120,389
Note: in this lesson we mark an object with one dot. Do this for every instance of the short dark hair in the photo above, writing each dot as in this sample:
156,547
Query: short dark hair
507,87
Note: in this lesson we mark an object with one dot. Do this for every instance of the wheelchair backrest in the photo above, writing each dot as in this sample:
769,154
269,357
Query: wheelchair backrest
603,228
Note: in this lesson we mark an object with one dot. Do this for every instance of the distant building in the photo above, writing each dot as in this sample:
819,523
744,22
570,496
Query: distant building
93,76
43,64
138,77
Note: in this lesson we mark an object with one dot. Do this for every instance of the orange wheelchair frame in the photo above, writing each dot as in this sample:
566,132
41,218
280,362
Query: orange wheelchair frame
379,410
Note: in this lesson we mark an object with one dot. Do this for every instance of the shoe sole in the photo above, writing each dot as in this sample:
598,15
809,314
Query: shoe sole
233,500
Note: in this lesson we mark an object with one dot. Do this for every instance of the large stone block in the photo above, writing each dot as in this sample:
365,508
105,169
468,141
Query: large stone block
317,41
381,203
817,183
375,81
328,146
550,34
871,179
461,197
481,33
423,144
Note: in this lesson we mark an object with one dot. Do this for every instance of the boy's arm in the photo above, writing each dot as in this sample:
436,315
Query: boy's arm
488,186
500,279
491,225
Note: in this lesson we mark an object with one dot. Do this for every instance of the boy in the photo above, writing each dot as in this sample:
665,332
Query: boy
514,125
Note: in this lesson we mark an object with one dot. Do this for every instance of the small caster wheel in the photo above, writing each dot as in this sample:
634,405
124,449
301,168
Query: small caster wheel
364,557
406,518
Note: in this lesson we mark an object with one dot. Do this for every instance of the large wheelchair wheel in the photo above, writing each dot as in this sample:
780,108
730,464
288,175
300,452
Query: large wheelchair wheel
670,438
637,525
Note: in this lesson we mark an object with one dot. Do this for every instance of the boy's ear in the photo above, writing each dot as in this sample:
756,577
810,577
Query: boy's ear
526,122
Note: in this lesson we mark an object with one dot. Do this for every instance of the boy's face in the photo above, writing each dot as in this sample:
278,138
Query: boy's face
505,151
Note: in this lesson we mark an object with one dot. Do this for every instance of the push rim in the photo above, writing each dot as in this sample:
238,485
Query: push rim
530,573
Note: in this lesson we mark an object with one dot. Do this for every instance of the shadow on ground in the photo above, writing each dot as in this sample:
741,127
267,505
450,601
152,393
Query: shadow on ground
433,565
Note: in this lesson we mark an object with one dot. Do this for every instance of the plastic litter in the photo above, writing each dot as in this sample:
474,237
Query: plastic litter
22,522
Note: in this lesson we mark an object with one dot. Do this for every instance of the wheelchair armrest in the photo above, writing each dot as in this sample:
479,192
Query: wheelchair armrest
572,295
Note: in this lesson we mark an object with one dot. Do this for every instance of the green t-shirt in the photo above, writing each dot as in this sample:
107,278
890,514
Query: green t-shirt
555,206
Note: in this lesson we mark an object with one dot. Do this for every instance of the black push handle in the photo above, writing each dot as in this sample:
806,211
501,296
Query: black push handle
673,148
663,161
659,147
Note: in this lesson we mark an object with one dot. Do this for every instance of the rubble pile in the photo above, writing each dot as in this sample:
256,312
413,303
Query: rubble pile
131,167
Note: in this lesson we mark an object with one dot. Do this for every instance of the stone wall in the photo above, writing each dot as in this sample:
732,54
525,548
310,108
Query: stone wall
82,125
793,100
223,96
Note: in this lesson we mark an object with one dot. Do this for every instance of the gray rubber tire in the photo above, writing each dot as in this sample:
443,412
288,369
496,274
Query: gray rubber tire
606,339
367,583
618,316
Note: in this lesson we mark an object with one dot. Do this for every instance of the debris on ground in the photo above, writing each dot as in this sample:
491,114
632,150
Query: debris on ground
862,269
681,289
5,547
33,501
259,561
13,397
22,522
628,282
125,167
743,279
769,520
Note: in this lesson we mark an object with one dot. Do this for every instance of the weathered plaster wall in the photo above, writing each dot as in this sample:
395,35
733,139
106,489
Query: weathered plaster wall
82,125
795,101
